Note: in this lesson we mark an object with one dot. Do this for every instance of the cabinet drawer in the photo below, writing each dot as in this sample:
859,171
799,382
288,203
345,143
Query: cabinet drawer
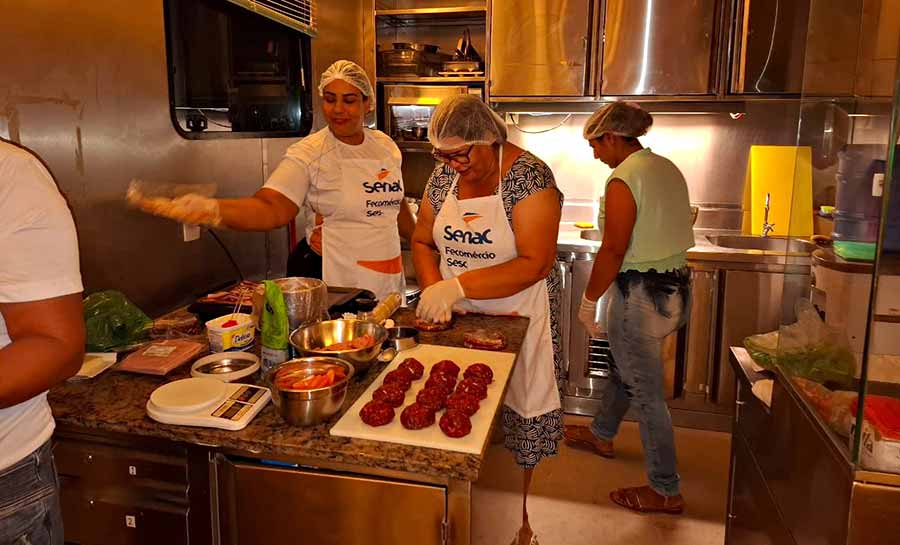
101,464
118,516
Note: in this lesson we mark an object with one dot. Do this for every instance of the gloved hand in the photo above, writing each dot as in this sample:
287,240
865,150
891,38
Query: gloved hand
190,209
436,302
587,315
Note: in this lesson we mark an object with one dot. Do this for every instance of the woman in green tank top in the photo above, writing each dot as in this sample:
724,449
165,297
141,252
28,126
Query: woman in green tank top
641,268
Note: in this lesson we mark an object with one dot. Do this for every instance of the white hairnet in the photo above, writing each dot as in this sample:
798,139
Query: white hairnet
350,72
462,120
619,118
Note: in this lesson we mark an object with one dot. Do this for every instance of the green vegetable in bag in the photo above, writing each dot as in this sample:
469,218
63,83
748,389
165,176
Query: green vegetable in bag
112,321
274,327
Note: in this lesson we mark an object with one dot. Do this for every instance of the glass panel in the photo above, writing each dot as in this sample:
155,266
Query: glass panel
410,122
840,341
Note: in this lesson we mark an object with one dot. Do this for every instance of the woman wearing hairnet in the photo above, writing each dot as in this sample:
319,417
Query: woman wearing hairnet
345,177
642,266
491,214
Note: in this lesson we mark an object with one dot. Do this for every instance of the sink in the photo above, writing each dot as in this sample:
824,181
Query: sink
770,244
592,234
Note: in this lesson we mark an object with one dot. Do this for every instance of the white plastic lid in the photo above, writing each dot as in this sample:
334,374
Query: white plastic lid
189,395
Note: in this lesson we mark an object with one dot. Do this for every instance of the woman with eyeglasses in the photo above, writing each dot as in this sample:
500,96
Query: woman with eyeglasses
485,241
345,178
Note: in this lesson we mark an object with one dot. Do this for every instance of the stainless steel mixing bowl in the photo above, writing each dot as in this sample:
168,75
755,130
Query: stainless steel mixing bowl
311,341
309,407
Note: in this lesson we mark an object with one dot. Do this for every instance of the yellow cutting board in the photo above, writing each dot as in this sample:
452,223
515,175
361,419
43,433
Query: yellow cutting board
785,172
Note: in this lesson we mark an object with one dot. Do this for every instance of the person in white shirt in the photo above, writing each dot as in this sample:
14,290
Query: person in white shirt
41,341
347,179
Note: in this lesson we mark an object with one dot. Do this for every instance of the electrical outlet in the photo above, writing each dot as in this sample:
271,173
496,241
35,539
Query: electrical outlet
190,232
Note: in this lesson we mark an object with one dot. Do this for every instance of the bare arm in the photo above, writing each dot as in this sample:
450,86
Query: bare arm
264,211
424,250
536,225
47,346
621,213
406,221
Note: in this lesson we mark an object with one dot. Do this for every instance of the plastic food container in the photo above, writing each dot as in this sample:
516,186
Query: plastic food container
231,337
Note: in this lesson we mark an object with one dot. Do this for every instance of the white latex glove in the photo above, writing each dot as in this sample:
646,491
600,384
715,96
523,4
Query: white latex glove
436,302
191,209
587,315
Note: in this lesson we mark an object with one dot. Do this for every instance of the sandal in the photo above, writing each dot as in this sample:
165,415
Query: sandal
582,438
533,540
644,499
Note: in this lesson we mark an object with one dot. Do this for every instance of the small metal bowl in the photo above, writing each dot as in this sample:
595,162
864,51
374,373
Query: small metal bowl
402,338
311,340
226,366
309,407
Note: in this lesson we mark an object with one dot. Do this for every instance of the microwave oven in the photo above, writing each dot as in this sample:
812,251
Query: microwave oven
408,108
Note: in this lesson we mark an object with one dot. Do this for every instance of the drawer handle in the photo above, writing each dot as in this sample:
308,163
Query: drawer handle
740,403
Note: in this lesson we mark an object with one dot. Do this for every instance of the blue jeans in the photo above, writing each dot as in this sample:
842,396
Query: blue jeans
644,308
29,501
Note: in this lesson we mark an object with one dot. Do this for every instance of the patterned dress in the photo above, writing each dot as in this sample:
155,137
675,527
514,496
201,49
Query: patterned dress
530,439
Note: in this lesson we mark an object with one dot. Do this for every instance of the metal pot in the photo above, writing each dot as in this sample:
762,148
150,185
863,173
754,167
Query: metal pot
306,300
309,407
312,339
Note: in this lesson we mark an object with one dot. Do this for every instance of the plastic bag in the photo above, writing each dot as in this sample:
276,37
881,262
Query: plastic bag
153,190
274,328
807,348
112,321
835,407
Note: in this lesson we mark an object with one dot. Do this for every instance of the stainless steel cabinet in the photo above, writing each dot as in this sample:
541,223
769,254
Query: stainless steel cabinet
111,494
769,46
659,48
541,48
264,505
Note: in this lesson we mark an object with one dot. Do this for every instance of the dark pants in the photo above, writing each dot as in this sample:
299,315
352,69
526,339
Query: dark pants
29,501
304,262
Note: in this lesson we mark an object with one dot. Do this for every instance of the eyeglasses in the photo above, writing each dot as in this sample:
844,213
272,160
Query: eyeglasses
460,157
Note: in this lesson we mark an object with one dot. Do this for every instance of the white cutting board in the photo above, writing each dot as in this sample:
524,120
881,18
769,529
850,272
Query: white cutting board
350,425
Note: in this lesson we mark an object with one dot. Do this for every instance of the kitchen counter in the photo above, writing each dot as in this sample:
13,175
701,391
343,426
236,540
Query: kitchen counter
703,250
115,403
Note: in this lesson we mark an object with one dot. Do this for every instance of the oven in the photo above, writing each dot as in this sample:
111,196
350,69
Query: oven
407,111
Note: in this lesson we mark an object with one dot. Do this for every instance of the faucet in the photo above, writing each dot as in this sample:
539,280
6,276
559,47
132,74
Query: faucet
767,227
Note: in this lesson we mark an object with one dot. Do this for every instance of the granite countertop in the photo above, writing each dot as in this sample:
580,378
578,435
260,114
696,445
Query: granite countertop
115,401
703,249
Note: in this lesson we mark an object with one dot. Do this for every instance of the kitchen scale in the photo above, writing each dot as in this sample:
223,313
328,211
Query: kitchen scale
207,402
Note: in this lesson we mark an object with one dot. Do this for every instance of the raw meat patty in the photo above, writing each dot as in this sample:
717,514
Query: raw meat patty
447,367
474,387
414,366
432,327
461,401
376,413
482,339
455,424
480,370
441,380
400,377
416,417
433,398
392,394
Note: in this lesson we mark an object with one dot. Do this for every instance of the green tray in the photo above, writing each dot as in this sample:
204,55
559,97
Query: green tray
855,251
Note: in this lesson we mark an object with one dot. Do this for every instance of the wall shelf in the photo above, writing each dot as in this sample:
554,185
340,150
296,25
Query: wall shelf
430,79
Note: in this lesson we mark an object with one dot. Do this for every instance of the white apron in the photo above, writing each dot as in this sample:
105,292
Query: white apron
360,242
473,234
